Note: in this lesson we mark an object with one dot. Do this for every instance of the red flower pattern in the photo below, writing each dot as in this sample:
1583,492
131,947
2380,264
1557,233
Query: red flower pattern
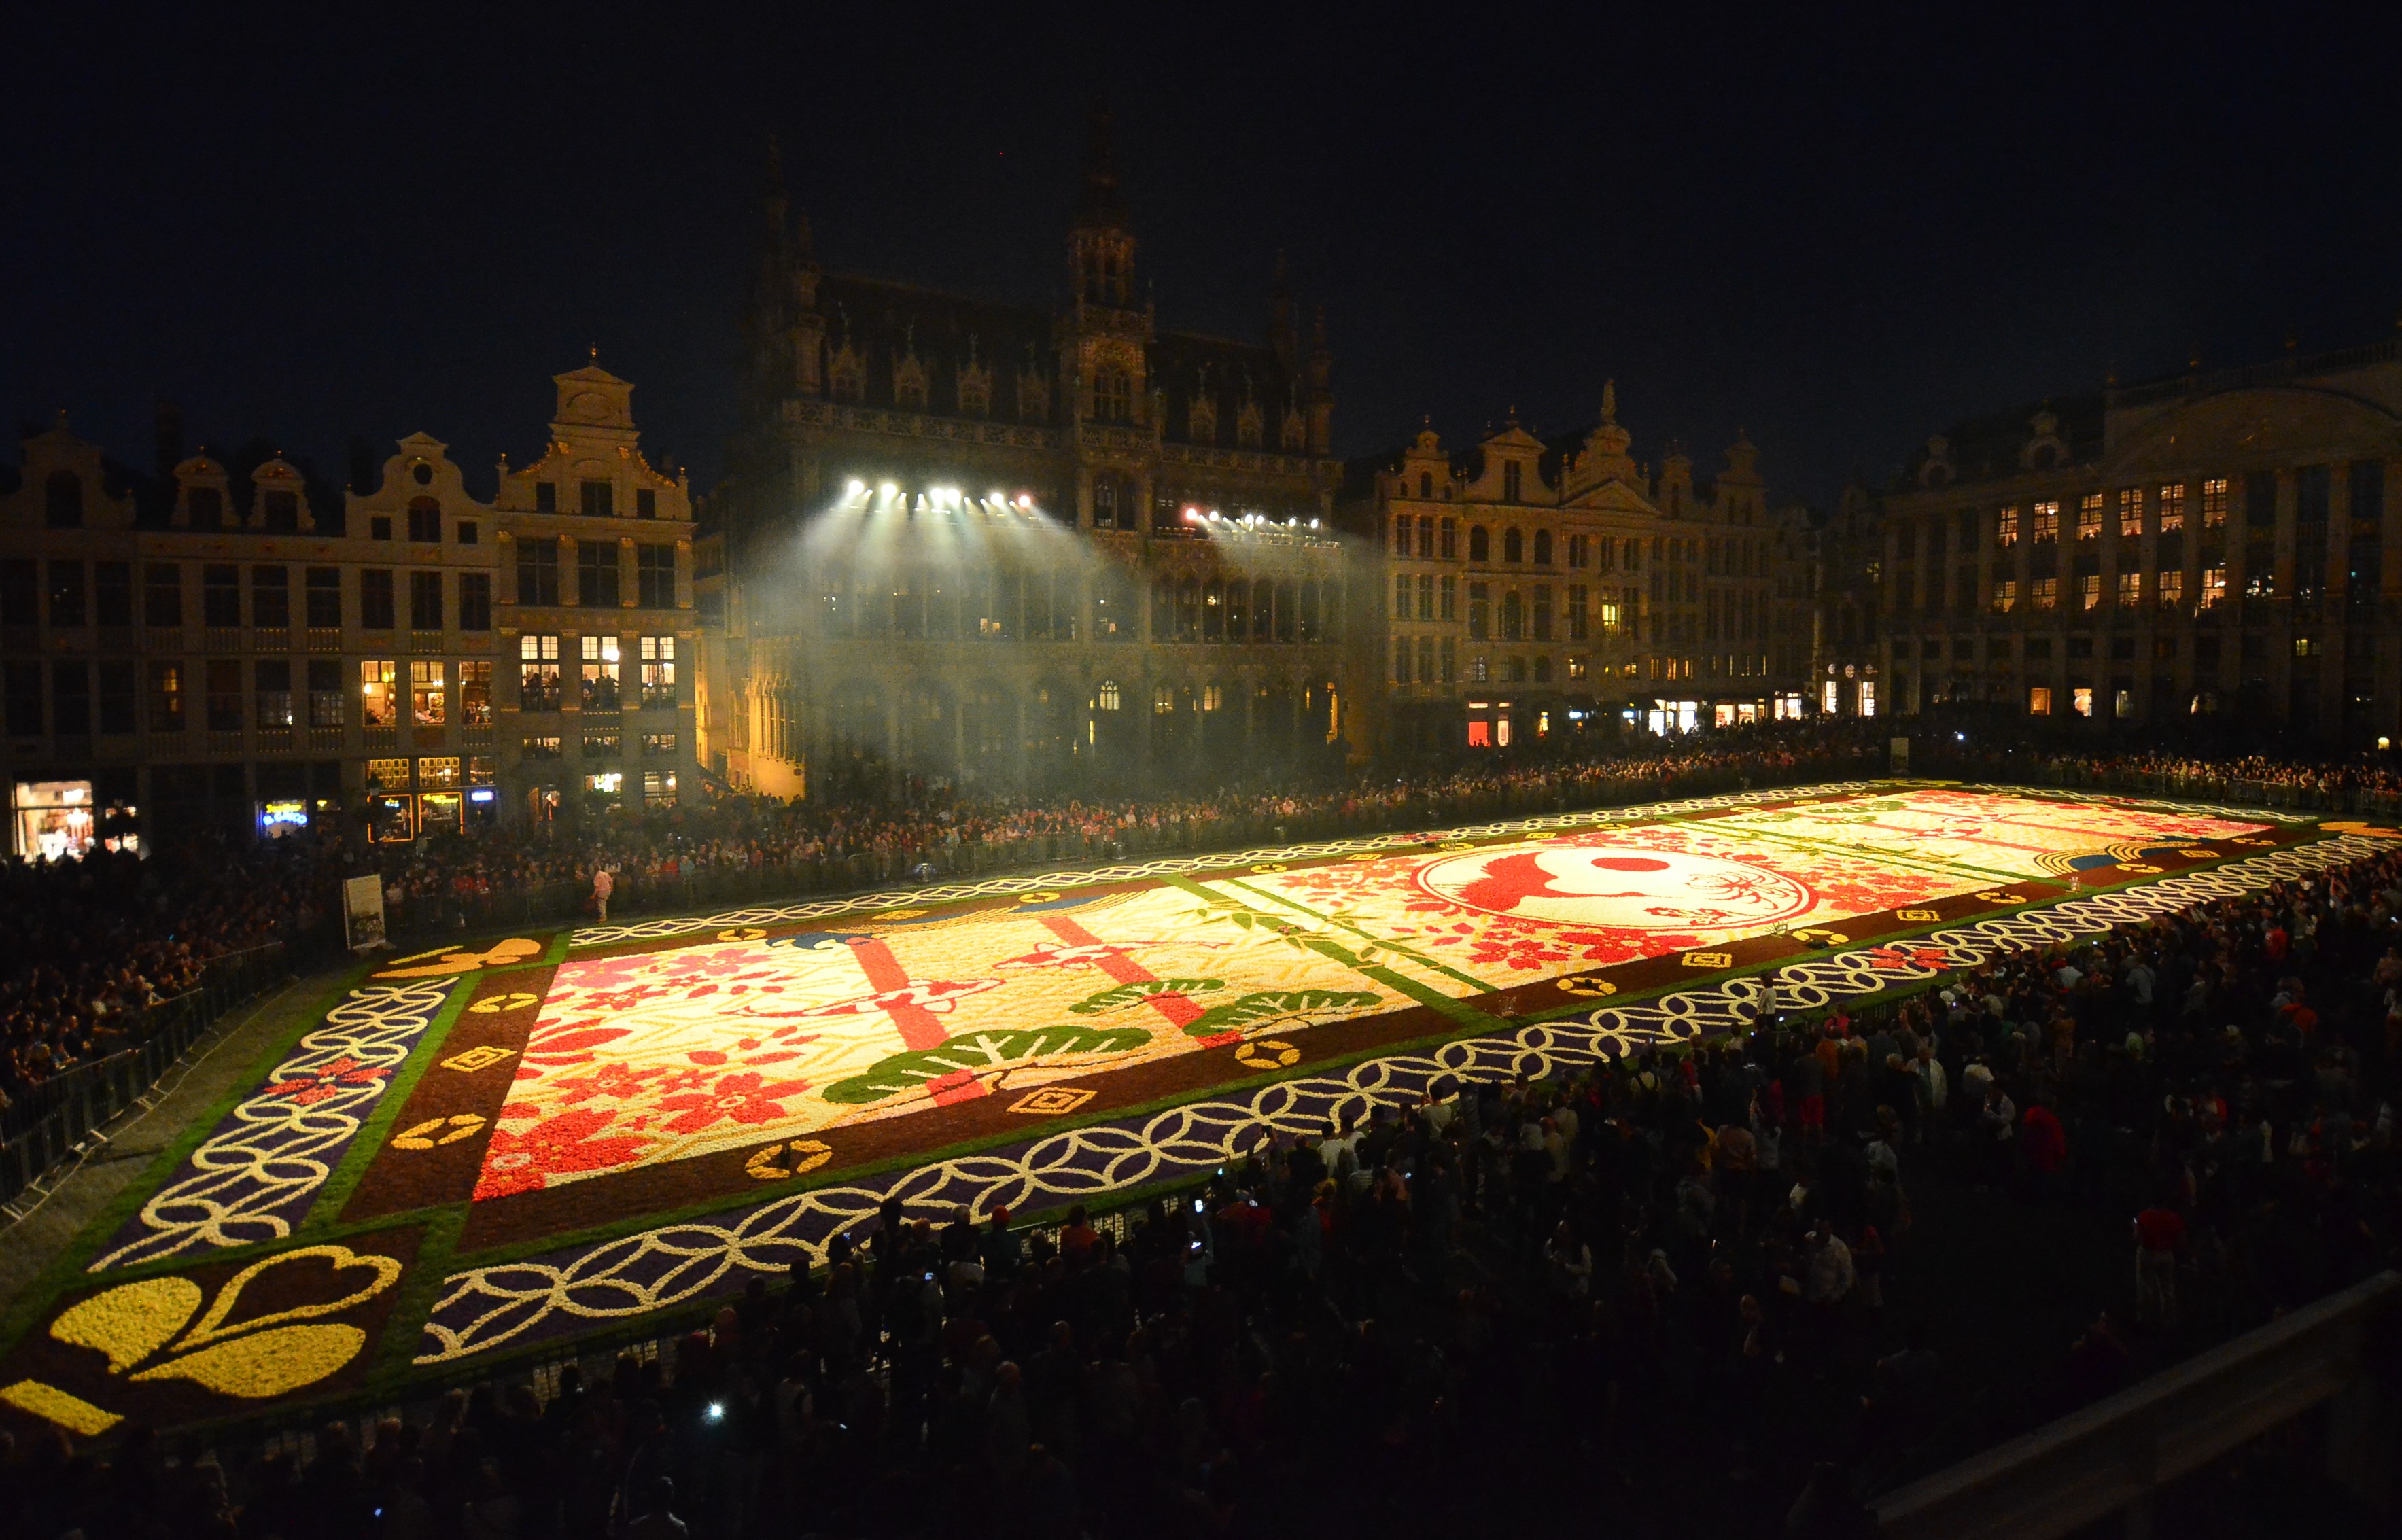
522,1163
746,1097
312,1086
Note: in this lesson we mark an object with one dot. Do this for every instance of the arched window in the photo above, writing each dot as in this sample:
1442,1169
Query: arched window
63,499
1309,611
1108,699
1238,610
1514,545
1213,612
1542,547
1288,611
1188,609
1480,543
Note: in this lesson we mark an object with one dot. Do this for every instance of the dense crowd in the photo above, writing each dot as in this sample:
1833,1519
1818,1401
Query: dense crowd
87,944
932,829
1681,1287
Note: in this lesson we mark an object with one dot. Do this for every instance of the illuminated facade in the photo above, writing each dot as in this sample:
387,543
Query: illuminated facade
226,642
2205,544
1524,588
1000,544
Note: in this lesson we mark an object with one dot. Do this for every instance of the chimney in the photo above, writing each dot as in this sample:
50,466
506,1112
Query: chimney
168,442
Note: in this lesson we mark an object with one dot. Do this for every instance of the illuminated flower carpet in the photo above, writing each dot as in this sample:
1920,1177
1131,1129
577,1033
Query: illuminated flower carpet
481,1154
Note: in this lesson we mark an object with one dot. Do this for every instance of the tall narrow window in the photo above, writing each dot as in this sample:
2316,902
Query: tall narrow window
600,680
654,574
537,571
379,692
425,601
476,692
2213,502
595,574
538,673
375,598
427,697
475,602
658,672
66,593
273,677
324,597
162,594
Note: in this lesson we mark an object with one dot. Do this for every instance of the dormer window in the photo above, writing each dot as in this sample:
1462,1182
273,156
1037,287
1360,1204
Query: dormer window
281,509
545,497
600,500
1512,485
647,502
424,521
206,506
1426,484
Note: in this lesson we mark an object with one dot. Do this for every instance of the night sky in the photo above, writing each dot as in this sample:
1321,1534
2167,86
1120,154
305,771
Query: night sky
1842,234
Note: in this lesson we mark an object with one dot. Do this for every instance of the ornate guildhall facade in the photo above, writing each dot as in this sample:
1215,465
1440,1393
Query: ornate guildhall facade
999,543
226,641
1528,586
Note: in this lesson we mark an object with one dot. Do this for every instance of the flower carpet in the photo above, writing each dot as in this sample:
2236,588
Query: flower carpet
499,1147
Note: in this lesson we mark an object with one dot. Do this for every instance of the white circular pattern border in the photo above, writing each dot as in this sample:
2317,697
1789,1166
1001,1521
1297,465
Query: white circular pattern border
481,1309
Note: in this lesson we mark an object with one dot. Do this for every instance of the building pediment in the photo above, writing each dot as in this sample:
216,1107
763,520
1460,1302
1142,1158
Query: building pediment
2267,423
1612,496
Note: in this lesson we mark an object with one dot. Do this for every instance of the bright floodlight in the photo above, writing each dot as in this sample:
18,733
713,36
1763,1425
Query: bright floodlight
855,488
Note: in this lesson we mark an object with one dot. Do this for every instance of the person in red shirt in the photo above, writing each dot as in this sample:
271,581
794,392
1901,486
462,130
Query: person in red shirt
2044,1143
2160,1231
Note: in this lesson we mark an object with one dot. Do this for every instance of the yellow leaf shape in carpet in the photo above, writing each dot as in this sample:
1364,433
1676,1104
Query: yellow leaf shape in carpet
500,954
383,1271
131,1322
260,1363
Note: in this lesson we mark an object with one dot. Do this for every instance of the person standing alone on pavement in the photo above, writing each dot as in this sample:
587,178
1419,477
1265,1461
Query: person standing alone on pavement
602,886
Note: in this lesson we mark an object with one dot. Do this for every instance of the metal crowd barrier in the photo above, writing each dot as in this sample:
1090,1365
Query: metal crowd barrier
47,1123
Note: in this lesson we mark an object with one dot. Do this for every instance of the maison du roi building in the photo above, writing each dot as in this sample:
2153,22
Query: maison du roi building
994,542
1526,588
229,642
2210,543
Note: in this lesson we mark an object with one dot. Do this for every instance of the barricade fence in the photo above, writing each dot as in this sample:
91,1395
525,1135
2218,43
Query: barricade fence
42,1126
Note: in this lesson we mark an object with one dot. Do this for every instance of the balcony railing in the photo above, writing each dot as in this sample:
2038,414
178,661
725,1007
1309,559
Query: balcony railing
269,639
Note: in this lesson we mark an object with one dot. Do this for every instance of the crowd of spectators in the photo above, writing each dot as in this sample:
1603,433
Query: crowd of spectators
87,944
1681,1287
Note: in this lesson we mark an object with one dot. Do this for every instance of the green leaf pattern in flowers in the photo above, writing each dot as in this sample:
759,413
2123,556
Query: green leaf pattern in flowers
975,1050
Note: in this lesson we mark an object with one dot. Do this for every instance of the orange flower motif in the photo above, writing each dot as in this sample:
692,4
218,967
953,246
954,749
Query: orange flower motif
747,1097
522,1163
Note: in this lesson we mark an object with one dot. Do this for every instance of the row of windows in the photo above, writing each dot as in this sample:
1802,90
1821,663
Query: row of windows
610,746
997,606
269,692
2161,508
599,574
597,663
595,499
1426,538
108,599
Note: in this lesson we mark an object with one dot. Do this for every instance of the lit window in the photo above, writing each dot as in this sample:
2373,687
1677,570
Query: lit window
1831,697
2039,701
659,671
2213,502
438,772
2088,516
2214,585
2172,506
2090,590
2047,521
2005,526
426,693
379,697
2130,590
1867,697
2171,587
599,680
538,673
2047,593
1108,700
659,788
388,775
2081,701
2124,703
2131,512
476,692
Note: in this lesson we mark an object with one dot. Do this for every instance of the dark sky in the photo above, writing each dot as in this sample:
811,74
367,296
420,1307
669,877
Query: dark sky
1843,231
